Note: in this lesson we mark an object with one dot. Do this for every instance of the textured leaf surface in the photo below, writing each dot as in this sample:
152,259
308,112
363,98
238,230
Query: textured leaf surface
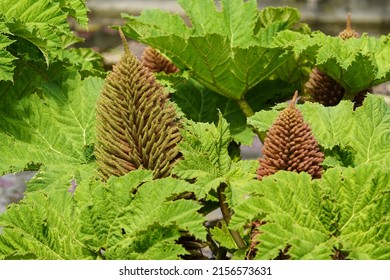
347,209
56,131
205,152
223,237
43,23
223,49
43,227
6,66
140,225
129,217
357,63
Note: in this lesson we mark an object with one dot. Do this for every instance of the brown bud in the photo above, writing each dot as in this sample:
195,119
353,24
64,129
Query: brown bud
290,145
156,62
324,89
348,32
321,87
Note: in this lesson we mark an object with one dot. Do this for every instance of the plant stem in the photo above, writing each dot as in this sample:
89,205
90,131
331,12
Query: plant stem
245,108
226,216
248,112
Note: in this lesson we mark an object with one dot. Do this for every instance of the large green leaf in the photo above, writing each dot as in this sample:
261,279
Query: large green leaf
56,130
144,225
43,227
77,9
207,160
362,202
226,50
43,23
205,152
6,59
356,63
129,217
344,212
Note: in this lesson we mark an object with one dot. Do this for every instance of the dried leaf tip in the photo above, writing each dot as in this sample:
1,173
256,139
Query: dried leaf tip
290,145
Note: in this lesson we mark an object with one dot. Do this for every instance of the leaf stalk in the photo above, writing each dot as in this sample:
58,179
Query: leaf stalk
245,108
227,216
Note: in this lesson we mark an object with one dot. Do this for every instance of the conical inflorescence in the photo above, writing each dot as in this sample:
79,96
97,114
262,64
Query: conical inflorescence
156,62
290,145
136,124
321,87
324,89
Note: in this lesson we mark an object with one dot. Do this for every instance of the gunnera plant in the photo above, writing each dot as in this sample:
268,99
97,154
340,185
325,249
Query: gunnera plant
324,89
290,145
137,126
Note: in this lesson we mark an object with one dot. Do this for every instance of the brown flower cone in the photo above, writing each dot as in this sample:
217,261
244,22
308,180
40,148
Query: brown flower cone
136,125
348,32
324,89
156,62
320,86
290,145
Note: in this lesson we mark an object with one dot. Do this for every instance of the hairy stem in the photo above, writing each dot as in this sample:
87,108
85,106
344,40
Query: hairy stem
245,108
226,216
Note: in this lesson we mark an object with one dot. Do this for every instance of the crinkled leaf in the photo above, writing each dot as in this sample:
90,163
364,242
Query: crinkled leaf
365,131
89,62
154,243
43,23
44,227
76,9
291,205
347,210
361,199
205,152
356,63
279,15
56,131
6,59
117,220
222,49
223,237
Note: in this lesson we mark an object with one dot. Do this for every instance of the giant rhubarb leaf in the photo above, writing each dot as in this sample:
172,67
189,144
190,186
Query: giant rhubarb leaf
56,131
43,227
205,152
345,214
357,63
6,58
227,50
139,218
145,225
43,23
